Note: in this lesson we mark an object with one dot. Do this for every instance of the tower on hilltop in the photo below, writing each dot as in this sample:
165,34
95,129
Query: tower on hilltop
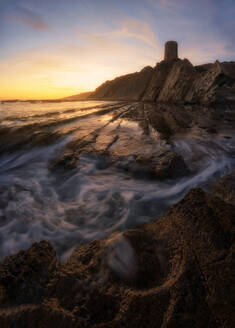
171,50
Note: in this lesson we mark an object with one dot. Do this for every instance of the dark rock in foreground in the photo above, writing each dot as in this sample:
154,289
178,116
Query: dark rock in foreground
225,188
175,272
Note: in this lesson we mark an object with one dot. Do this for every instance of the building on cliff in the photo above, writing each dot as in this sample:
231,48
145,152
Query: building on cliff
173,80
171,50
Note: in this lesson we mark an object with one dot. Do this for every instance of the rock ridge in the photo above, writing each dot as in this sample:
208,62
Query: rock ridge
171,81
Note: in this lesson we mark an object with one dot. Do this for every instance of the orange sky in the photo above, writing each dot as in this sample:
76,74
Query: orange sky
60,71
53,49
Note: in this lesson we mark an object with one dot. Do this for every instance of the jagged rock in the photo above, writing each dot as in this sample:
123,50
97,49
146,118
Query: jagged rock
172,81
167,165
179,81
174,272
159,77
225,188
23,277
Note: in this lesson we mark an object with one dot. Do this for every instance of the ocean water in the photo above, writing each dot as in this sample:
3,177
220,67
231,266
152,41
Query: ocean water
71,207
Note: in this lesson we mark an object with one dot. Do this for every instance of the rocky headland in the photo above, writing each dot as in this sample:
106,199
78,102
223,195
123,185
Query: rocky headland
172,80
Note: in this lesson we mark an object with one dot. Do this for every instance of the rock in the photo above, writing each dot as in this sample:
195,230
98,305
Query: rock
179,81
157,81
24,276
174,272
168,165
211,130
80,96
171,165
129,87
173,80
225,188
2,294
66,161
165,165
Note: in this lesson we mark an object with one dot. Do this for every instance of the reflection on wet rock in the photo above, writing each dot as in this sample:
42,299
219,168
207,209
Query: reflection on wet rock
72,173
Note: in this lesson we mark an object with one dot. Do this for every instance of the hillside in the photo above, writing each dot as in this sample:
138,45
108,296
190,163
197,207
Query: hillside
172,80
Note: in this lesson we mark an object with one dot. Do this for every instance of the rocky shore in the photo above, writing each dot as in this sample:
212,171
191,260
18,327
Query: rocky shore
174,272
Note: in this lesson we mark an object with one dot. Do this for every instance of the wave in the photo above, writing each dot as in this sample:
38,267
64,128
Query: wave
93,199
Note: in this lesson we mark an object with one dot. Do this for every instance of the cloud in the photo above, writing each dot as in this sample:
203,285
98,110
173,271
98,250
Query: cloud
84,58
28,17
165,3
207,51
140,30
84,62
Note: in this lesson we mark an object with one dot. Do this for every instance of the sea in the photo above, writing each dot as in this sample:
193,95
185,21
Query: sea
72,207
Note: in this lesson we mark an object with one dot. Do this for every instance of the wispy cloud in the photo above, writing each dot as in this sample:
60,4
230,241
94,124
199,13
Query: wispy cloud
67,68
166,3
139,30
94,42
28,17
206,51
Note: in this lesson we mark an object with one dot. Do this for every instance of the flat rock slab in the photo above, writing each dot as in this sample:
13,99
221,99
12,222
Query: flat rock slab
139,137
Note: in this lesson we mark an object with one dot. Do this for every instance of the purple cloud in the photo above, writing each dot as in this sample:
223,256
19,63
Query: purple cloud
28,17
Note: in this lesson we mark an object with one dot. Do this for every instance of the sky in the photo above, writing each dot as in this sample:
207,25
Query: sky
56,48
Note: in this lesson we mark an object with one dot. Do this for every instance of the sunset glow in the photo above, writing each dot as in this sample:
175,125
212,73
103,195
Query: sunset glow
53,49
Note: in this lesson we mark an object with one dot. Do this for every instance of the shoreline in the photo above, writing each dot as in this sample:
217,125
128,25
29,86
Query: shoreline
175,271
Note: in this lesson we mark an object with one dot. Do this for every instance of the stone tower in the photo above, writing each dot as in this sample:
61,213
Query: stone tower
171,50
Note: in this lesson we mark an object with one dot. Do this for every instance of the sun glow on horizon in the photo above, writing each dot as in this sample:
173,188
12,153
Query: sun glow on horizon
31,93
50,54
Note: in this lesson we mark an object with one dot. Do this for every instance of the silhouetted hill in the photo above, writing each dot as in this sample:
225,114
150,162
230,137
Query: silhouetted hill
80,96
174,81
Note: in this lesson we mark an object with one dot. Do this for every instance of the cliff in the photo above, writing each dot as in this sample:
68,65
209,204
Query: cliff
176,81
173,80
127,87
80,96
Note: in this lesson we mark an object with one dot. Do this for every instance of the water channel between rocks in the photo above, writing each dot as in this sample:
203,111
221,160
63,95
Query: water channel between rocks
75,172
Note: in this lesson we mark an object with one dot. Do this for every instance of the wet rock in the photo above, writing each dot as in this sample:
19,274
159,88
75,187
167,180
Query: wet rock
170,165
164,165
24,276
212,130
174,272
225,188
2,294
66,161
